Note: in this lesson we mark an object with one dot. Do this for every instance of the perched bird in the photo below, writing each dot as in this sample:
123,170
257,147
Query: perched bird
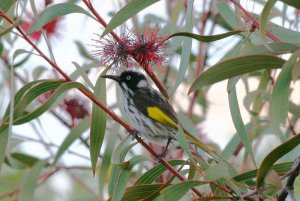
148,111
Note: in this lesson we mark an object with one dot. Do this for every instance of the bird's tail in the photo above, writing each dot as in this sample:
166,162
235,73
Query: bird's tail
200,144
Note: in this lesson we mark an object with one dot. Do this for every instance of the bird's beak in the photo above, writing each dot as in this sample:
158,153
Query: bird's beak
113,77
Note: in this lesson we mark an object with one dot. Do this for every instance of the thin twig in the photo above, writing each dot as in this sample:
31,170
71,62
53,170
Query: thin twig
64,122
289,186
43,179
254,21
148,70
103,107
201,56
49,144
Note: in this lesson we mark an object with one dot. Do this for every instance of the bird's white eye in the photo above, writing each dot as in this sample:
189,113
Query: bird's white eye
128,77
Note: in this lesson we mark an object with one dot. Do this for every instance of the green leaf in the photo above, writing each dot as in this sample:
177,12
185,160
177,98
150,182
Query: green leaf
277,48
210,198
152,174
3,144
218,171
106,159
124,175
285,34
294,109
236,188
263,84
296,71
28,116
280,168
121,170
20,93
19,52
280,97
191,134
117,157
30,181
186,48
176,191
227,14
4,130
294,3
84,75
264,18
52,12
250,99
34,92
74,134
24,97
235,140
238,122
38,71
273,156
6,5
128,11
138,192
231,146
83,51
98,124
28,160
206,38
234,67
48,84
184,144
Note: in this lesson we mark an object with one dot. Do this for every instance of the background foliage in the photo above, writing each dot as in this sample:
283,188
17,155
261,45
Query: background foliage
61,140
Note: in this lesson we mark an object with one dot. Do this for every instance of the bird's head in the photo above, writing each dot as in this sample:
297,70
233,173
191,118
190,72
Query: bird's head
129,80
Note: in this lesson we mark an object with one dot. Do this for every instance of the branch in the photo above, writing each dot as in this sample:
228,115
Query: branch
201,55
43,178
289,186
103,107
254,21
148,70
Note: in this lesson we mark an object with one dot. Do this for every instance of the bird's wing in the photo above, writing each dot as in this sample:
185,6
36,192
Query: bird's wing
154,105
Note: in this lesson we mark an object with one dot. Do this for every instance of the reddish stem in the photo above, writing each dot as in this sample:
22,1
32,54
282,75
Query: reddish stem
254,21
43,177
103,107
10,193
148,70
200,58
101,20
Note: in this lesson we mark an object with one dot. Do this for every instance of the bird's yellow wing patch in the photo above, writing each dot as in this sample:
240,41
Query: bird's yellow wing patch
159,116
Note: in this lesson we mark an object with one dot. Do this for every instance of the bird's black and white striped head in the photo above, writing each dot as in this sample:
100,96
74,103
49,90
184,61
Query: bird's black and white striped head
130,80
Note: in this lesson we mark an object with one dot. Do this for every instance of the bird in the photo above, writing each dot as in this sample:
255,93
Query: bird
148,111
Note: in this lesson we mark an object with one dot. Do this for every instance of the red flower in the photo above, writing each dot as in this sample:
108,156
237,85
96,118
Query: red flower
111,52
76,108
50,28
149,48
146,49
47,2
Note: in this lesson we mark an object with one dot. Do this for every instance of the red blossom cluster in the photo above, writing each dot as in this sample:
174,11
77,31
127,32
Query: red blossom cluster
50,28
76,108
111,52
147,48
